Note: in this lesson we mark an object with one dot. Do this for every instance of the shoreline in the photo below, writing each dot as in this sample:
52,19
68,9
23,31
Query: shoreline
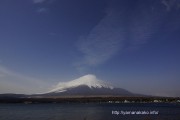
90,99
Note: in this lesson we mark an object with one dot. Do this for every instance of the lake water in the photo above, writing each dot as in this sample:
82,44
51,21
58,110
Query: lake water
90,111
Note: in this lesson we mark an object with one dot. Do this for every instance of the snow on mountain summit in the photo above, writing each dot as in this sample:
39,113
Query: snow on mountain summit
88,80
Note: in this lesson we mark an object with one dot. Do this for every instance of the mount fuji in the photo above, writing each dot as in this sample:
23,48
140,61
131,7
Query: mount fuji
87,85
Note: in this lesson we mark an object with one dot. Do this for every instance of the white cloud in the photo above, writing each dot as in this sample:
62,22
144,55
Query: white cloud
12,82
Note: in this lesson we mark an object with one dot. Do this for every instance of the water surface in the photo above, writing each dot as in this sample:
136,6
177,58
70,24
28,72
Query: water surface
90,111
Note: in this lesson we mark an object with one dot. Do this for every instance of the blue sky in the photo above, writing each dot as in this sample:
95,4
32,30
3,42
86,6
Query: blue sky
133,44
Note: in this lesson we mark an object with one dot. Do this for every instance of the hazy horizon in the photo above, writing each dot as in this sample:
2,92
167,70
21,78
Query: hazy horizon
133,44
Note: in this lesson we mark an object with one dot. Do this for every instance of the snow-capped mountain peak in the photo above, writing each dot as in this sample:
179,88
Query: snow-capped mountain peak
88,80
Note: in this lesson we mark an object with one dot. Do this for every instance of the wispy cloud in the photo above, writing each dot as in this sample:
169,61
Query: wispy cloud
115,33
39,1
42,1
42,10
102,43
41,5
169,4
18,83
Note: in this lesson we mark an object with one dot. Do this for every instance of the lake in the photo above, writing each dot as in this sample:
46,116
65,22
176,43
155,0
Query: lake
90,111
